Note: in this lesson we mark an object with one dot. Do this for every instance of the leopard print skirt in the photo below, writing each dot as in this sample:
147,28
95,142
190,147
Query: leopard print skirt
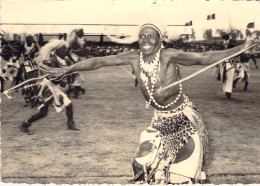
176,127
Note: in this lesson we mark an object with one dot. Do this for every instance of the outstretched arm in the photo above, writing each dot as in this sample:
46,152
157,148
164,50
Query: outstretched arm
94,63
98,62
204,58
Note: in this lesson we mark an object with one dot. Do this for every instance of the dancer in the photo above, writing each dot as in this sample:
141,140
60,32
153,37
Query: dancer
242,69
29,50
50,89
29,67
174,147
12,66
77,44
77,48
227,67
250,35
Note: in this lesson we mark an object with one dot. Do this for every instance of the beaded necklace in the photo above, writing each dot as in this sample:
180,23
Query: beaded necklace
149,70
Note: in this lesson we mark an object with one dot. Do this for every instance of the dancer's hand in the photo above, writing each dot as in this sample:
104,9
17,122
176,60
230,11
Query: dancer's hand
53,72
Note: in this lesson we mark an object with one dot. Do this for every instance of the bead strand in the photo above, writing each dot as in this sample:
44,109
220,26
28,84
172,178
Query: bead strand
169,104
151,69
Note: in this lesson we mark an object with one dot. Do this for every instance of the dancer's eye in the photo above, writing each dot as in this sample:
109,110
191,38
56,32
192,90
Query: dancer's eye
150,37
142,36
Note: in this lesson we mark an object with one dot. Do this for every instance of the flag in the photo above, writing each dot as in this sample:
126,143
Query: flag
188,23
251,25
212,16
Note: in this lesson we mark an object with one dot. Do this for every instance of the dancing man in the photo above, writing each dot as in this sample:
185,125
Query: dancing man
77,48
50,89
174,147
29,50
242,69
29,67
227,67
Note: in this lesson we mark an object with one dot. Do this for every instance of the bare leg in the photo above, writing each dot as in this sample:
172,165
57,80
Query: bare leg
69,112
246,82
2,84
41,114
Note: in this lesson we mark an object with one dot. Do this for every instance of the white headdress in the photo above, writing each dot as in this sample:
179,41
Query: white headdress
29,34
158,26
26,34
131,38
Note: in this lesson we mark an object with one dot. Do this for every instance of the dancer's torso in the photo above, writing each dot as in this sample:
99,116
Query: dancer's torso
167,74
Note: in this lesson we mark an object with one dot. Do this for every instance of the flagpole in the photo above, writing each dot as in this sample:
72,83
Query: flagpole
229,22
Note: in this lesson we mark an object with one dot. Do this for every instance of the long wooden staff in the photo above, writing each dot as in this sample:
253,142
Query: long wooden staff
206,68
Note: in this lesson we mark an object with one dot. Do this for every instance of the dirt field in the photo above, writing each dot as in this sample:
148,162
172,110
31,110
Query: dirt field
111,116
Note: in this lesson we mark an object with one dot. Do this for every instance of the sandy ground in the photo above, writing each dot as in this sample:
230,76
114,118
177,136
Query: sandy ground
111,116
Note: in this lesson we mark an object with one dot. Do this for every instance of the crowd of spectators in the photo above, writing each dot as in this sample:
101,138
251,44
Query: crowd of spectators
104,48
108,48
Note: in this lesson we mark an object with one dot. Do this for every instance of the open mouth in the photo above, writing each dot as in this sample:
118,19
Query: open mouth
146,47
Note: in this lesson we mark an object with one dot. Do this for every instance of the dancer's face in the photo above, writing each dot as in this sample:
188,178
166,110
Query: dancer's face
80,33
29,39
149,40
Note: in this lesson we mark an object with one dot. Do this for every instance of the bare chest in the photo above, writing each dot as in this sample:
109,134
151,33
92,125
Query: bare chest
150,82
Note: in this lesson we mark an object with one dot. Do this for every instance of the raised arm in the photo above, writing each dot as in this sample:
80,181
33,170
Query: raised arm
204,58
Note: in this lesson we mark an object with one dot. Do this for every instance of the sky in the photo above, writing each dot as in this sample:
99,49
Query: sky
229,14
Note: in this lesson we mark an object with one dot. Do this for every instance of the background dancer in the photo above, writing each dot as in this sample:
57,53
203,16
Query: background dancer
242,69
77,48
29,67
227,67
77,44
13,68
50,89
29,50
174,115
250,35
62,58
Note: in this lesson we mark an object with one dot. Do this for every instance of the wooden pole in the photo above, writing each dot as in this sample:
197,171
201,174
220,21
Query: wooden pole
206,68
